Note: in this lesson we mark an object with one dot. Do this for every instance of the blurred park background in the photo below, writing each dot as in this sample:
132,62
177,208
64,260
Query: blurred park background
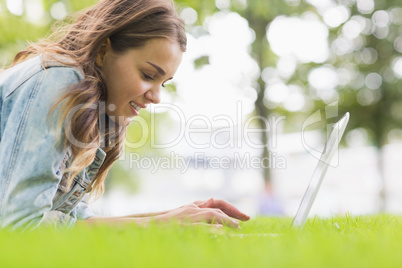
231,123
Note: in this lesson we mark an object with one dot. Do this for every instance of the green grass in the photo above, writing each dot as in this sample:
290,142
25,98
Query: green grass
369,241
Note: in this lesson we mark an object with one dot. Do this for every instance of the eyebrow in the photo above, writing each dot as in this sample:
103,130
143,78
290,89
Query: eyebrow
159,69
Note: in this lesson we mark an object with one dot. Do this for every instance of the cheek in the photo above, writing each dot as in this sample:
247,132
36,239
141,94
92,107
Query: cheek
115,74
136,86
143,87
113,84
125,83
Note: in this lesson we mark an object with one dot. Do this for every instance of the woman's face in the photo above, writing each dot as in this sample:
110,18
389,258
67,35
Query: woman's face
134,78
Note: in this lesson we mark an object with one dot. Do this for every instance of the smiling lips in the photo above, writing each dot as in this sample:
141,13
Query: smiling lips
135,107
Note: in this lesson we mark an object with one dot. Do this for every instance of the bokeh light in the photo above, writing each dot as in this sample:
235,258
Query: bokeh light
222,4
303,38
357,137
351,29
295,101
35,12
365,6
58,11
369,55
335,16
398,44
216,87
189,15
286,66
396,15
365,97
15,7
277,92
397,66
381,18
373,81
323,78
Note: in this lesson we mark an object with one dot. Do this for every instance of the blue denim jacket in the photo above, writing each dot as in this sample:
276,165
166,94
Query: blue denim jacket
32,190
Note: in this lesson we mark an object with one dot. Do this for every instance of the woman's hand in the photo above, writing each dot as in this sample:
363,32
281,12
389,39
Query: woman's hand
216,212
224,206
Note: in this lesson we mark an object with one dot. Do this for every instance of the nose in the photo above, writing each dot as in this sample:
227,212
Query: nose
154,94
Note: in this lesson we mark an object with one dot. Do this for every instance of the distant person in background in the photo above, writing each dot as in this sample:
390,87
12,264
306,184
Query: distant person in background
65,105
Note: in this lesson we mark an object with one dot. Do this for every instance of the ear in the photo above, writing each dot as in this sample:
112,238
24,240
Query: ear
102,52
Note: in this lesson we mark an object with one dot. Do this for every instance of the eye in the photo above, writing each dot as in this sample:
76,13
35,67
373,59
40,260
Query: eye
147,77
167,81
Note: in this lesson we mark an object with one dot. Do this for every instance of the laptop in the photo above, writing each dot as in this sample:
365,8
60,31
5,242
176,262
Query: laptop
330,147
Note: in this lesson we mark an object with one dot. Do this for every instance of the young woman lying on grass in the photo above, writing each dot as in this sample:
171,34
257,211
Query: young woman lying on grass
66,103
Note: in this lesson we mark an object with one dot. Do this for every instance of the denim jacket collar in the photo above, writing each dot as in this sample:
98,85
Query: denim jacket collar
57,60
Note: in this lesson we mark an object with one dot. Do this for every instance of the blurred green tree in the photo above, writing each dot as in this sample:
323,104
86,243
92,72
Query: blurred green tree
372,95
259,14
364,53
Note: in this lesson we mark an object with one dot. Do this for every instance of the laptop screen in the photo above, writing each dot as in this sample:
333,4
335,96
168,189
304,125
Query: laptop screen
331,146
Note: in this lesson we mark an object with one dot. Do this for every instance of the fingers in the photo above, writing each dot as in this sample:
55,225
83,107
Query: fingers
224,206
198,202
214,225
214,216
231,210
214,228
205,204
192,214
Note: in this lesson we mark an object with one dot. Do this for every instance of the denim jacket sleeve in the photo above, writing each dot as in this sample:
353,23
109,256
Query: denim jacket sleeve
83,211
30,149
55,218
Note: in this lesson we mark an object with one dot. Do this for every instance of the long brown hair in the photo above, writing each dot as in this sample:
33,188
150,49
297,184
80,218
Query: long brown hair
128,24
